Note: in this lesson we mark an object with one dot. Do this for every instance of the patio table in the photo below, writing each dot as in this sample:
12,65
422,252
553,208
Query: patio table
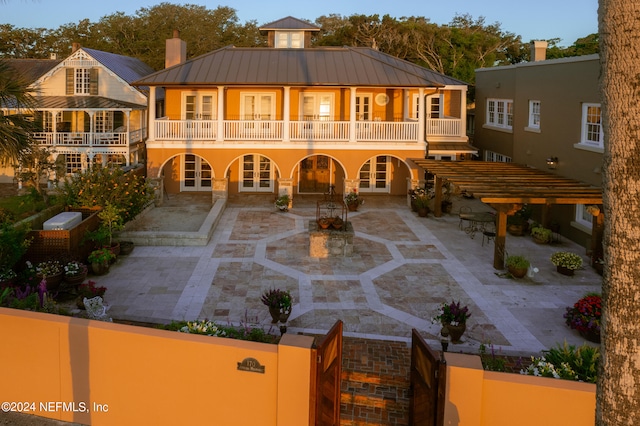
476,221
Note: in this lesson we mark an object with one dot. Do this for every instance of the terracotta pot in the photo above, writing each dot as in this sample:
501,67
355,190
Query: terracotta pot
517,272
324,223
275,315
423,212
591,335
353,207
100,268
456,332
76,279
126,247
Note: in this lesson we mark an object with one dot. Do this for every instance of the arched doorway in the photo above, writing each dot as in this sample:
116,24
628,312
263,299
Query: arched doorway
315,174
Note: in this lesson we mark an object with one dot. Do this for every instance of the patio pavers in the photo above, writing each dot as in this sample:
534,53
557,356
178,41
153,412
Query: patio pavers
402,268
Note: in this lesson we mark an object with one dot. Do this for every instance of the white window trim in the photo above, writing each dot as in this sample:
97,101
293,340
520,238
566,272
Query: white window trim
494,124
316,104
584,143
532,125
257,116
579,222
199,96
287,37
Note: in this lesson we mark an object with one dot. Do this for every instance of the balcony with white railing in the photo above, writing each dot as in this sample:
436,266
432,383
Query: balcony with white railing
184,131
88,139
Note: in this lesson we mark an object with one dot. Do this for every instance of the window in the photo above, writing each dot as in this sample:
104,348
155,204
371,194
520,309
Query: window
500,113
583,217
199,106
73,163
534,114
289,39
592,134
317,106
81,81
496,157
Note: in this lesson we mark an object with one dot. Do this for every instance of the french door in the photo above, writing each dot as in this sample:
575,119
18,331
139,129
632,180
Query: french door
199,106
196,174
315,174
256,174
363,107
374,175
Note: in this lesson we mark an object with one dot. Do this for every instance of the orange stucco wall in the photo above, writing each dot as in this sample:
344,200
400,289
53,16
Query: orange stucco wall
484,398
133,375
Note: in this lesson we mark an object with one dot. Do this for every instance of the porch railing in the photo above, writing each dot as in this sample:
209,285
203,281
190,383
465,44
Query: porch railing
86,139
316,130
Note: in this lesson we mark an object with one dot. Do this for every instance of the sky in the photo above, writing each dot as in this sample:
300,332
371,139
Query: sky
539,20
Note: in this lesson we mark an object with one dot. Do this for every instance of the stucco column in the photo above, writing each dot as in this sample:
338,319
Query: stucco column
286,113
152,113
352,114
351,185
220,190
285,187
220,114
421,115
463,112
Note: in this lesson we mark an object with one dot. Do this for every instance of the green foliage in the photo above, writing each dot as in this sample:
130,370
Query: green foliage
13,244
103,186
210,328
541,233
491,361
519,262
102,255
567,362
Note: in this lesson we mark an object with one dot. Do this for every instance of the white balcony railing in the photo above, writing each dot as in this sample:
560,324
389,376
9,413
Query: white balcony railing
312,130
86,139
319,130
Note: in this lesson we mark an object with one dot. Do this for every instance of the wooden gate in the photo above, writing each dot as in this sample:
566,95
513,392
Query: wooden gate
428,384
325,403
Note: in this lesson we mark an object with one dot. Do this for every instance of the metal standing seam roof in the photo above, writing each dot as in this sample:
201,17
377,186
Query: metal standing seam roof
289,23
31,69
127,68
84,103
331,66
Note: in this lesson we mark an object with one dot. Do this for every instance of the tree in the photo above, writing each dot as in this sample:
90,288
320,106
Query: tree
618,393
15,126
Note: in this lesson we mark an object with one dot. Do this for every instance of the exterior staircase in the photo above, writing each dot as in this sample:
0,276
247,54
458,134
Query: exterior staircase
375,383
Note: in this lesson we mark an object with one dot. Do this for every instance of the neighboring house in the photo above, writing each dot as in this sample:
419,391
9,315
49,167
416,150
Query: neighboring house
86,109
545,114
292,119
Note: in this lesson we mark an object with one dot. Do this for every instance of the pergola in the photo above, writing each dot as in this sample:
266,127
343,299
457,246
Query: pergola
506,187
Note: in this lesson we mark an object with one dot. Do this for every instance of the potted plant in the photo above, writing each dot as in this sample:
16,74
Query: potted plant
517,266
324,222
279,303
51,271
282,202
353,201
447,190
337,222
100,260
7,275
566,262
75,272
585,316
518,223
111,221
541,235
454,318
88,290
421,201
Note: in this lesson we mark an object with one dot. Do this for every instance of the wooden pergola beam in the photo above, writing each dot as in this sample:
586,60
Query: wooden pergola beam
506,185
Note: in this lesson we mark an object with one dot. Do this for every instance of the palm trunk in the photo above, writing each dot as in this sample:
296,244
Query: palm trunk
618,392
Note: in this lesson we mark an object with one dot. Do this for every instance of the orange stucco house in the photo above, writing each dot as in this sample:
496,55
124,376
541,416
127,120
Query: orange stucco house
292,119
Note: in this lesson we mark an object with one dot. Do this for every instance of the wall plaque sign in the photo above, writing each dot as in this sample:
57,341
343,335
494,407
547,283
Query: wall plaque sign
252,365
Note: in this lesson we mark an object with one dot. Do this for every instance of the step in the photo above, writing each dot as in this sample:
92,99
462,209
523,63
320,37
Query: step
373,399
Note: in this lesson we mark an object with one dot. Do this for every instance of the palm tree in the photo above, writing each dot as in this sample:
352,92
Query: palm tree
15,127
618,393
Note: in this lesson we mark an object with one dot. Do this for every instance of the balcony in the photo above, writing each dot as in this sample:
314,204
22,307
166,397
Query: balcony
88,139
309,130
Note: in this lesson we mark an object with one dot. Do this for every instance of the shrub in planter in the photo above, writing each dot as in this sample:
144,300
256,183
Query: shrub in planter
517,265
585,316
282,202
566,362
566,259
541,234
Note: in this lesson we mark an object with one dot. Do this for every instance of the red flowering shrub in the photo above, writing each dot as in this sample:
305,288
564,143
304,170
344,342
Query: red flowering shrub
90,290
585,314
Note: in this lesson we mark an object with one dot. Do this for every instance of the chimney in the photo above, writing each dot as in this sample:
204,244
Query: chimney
75,47
538,50
176,50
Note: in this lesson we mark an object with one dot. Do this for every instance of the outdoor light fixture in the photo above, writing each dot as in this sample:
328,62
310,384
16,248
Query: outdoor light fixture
552,162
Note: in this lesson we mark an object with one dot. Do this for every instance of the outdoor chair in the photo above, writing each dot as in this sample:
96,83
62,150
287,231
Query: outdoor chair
463,210
489,234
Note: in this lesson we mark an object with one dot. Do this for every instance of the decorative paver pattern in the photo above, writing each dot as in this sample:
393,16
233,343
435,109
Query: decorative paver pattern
402,267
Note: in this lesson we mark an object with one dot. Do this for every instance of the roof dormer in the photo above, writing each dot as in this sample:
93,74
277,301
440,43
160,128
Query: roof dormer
289,33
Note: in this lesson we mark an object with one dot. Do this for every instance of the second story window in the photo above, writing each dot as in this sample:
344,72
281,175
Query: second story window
534,114
591,133
500,113
82,81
